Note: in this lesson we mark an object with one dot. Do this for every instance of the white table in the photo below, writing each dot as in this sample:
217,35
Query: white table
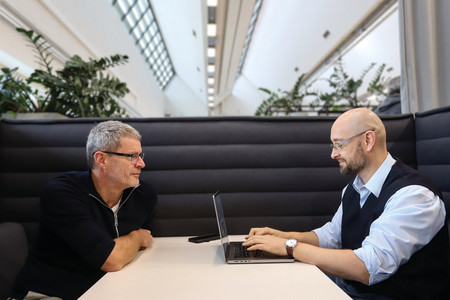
173,268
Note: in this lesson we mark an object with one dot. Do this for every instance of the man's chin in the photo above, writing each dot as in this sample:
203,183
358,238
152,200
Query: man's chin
134,183
346,171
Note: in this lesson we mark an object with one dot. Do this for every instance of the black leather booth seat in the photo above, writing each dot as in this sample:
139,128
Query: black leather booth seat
433,148
272,171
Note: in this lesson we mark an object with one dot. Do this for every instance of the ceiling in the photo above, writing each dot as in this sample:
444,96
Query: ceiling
288,39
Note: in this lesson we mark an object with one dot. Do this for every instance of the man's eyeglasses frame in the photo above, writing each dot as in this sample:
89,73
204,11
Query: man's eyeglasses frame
338,145
134,157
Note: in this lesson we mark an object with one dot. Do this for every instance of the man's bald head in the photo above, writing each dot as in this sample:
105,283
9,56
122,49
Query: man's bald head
357,120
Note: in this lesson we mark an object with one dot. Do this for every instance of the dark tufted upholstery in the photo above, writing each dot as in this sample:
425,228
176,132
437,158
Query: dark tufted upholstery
433,147
271,171
14,249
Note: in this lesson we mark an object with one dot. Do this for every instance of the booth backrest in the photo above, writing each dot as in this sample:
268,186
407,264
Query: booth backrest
272,171
433,148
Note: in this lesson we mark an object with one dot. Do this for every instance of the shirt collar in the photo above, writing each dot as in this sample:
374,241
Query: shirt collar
90,187
375,183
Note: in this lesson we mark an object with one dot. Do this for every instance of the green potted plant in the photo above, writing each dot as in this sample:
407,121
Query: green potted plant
287,102
342,96
79,89
344,89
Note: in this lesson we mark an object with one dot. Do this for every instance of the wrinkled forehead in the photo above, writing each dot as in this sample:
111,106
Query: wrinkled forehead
130,142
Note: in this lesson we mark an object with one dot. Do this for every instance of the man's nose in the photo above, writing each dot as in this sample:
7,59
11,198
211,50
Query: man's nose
140,163
334,153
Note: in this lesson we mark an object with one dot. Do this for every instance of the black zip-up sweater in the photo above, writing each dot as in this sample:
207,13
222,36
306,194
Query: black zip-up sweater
76,235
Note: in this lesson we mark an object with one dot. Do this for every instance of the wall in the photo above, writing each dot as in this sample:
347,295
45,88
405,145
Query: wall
270,70
381,45
243,101
182,101
81,32
425,45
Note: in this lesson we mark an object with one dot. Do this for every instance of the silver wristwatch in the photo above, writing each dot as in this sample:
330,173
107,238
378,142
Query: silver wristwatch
290,245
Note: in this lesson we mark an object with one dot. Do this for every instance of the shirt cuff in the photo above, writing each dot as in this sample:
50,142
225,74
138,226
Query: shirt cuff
373,265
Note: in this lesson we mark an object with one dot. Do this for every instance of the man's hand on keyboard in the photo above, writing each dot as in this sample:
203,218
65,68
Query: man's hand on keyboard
269,243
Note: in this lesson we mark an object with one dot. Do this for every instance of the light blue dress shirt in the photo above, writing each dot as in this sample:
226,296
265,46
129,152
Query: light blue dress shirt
411,218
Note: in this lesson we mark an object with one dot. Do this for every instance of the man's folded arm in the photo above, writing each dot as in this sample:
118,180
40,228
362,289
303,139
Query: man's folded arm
126,248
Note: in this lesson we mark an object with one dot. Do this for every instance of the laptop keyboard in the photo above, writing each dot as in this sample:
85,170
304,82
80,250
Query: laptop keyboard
241,252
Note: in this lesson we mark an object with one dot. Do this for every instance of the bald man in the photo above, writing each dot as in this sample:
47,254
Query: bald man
389,237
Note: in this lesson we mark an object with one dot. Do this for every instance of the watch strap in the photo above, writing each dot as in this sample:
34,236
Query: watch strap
290,245
290,251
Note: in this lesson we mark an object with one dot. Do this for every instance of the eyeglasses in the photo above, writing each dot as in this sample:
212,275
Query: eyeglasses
338,145
133,157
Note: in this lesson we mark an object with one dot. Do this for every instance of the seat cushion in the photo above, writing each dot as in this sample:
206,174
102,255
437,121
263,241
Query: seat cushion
14,249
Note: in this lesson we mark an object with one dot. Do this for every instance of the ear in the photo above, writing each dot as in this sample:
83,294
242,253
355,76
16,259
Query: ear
371,138
100,159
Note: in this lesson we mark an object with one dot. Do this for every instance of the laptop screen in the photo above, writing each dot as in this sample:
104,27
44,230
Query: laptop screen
221,222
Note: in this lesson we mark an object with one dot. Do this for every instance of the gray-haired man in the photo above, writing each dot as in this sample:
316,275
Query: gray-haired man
92,222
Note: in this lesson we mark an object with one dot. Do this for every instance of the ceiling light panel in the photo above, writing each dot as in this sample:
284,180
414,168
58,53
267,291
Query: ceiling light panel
141,23
211,29
211,2
211,52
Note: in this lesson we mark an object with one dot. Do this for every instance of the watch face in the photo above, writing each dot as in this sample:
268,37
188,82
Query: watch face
291,243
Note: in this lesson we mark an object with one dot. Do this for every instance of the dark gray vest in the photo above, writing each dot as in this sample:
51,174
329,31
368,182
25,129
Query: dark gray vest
425,275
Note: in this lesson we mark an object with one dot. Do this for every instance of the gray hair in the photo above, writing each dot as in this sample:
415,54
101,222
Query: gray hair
107,136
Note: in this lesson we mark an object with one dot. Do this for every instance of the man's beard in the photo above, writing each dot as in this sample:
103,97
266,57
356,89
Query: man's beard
355,164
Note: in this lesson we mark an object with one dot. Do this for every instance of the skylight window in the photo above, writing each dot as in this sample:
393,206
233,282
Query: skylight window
138,17
249,35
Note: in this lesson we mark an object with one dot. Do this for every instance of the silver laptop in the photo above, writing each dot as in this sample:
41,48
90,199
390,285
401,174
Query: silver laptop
234,252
